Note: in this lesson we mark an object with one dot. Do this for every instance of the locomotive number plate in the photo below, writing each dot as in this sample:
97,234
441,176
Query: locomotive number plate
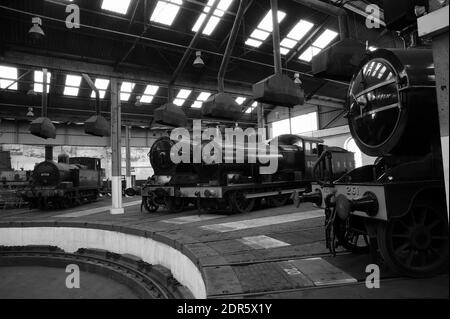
352,191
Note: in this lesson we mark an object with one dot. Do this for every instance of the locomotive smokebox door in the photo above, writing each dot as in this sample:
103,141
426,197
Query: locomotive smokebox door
43,127
339,62
97,125
223,106
278,89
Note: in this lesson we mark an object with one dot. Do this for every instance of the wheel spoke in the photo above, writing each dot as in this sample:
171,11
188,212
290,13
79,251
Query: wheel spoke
423,216
404,236
401,248
406,226
410,257
440,238
433,224
422,259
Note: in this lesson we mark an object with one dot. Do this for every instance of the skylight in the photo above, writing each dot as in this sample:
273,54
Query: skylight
101,85
181,97
263,30
39,80
118,6
215,19
297,33
251,108
166,11
72,85
149,93
240,100
325,38
309,53
126,90
320,43
7,76
202,97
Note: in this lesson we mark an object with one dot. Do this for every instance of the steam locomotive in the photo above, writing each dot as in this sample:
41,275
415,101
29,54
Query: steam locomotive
63,184
395,208
232,186
10,178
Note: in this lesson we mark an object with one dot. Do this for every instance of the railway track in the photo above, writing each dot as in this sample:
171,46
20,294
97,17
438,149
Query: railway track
145,280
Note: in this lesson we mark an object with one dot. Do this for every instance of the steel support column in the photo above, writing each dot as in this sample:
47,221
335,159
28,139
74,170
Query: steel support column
116,148
128,156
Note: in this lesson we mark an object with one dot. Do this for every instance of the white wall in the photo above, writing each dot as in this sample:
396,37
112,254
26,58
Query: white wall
338,136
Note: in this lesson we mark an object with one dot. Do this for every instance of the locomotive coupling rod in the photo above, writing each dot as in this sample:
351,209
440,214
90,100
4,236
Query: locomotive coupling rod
286,191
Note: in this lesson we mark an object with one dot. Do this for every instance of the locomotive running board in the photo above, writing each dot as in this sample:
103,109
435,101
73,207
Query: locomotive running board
275,193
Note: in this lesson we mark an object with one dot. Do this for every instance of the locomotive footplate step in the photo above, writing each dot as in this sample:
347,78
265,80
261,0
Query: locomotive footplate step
272,253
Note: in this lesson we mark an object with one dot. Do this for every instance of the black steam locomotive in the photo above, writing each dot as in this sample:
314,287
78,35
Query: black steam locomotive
63,184
237,187
397,206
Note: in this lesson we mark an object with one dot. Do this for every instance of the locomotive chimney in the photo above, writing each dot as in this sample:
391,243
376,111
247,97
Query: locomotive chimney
48,152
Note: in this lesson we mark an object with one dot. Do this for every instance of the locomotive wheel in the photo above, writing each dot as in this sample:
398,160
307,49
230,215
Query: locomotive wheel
350,237
66,202
278,200
240,204
174,204
416,244
356,242
149,204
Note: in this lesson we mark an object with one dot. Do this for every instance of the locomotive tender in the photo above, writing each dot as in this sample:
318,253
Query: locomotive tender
236,187
397,206
63,184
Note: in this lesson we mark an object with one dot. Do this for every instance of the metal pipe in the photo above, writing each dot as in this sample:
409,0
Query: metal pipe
91,84
331,10
230,46
49,152
276,37
194,40
44,93
128,156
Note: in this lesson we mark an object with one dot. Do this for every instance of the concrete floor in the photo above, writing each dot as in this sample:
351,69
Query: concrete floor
271,253
50,283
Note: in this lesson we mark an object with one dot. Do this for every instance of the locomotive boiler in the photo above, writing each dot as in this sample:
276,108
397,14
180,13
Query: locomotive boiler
228,184
397,206
63,184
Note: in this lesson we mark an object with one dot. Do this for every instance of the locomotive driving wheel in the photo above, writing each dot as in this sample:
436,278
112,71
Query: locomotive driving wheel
240,204
149,203
416,244
175,204
351,238
278,200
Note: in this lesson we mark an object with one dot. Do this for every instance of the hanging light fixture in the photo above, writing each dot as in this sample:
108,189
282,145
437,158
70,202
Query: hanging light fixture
36,31
30,112
297,78
138,101
198,62
31,91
